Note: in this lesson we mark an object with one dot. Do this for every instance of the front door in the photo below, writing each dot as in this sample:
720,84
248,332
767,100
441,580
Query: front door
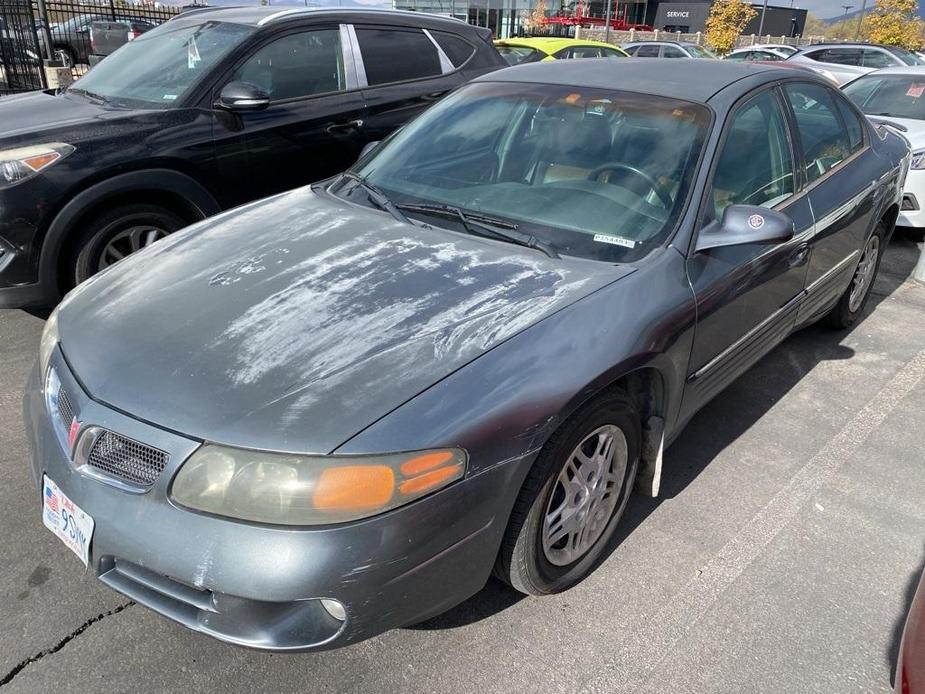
312,128
842,197
747,295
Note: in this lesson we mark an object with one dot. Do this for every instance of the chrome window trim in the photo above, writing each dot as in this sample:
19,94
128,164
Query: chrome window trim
359,67
446,65
349,56
838,267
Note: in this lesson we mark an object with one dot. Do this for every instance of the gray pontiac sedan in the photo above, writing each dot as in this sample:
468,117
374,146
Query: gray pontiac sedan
338,410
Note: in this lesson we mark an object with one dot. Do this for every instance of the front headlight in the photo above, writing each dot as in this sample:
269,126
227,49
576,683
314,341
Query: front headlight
289,489
918,159
17,165
49,341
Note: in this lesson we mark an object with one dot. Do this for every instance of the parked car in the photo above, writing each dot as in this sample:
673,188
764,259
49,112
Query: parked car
667,49
846,61
896,96
455,358
212,109
910,667
106,36
71,39
767,54
531,50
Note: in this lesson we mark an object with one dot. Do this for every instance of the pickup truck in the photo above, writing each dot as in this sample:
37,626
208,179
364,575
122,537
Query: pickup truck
108,35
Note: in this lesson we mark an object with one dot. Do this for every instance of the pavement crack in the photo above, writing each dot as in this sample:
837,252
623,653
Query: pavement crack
62,643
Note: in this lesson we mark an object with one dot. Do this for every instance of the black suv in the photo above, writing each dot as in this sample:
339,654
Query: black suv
212,109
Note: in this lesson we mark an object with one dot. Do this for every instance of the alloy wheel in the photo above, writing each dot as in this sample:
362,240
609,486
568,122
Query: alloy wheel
864,275
584,495
127,242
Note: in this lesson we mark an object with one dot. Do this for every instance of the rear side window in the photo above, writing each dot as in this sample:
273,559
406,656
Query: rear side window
396,55
457,50
825,141
647,52
853,123
842,56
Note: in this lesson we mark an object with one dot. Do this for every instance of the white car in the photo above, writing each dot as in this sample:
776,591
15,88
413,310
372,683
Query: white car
896,98
847,61
765,53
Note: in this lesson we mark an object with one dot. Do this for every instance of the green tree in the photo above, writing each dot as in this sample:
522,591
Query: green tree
896,23
726,21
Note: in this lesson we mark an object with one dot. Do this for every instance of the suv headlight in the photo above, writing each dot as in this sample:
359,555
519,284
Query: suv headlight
17,165
918,159
289,489
48,342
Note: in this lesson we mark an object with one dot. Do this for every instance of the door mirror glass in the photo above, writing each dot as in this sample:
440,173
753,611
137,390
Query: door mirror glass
742,224
243,96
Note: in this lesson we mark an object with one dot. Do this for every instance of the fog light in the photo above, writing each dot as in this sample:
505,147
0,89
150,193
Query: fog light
335,609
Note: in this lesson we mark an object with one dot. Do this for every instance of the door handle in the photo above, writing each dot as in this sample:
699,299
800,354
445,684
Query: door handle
799,256
344,127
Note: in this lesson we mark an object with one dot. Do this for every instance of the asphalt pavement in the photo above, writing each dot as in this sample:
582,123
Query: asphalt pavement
780,557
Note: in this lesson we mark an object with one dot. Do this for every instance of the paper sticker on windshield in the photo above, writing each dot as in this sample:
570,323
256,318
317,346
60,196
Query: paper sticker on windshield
615,240
915,90
169,97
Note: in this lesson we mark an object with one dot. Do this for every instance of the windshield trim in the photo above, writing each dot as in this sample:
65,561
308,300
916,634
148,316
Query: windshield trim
684,207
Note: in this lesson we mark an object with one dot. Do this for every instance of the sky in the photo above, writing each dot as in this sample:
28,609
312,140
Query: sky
825,8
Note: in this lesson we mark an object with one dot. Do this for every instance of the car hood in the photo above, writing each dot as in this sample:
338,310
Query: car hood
915,129
295,322
35,112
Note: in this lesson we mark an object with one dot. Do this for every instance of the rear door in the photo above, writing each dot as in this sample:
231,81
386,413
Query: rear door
402,71
313,126
842,194
747,295
648,51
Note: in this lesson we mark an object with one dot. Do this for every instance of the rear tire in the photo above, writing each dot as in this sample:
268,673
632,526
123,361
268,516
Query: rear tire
573,498
116,233
851,304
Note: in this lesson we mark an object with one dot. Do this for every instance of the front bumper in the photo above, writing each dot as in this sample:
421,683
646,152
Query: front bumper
912,209
20,249
261,586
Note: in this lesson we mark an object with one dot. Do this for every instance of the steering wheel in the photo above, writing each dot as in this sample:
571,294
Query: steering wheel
660,189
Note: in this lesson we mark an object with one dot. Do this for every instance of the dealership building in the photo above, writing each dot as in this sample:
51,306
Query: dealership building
691,17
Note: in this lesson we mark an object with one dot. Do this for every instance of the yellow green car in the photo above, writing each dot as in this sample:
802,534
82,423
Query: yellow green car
533,50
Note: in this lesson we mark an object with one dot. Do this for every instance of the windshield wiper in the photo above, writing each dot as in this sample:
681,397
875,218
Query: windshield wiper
92,95
377,197
484,225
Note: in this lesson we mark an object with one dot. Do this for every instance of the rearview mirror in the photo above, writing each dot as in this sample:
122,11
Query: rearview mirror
243,96
743,224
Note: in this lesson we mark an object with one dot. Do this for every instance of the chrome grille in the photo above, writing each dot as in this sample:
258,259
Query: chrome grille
65,410
126,459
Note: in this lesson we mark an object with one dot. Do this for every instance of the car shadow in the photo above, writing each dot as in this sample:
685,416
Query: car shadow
715,427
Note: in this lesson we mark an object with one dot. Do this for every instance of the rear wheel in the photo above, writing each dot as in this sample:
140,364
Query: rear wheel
573,498
852,303
117,233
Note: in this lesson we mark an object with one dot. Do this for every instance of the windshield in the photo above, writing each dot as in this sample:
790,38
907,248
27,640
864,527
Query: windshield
157,68
908,57
514,55
700,52
899,96
595,173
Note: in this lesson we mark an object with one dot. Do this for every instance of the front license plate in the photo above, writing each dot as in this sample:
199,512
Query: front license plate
66,519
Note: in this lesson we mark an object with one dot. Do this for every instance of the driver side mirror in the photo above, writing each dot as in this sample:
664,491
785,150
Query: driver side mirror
742,224
242,96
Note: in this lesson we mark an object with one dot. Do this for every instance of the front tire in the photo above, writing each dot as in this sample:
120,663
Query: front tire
851,304
573,498
117,233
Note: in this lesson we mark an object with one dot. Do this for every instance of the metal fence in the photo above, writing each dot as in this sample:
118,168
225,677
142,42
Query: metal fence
32,32
20,52
742,41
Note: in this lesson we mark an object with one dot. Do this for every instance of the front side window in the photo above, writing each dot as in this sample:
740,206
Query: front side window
596,173
160,66
894,96
647,52
762,172
397,55
297,65
876,59
673,52
824,139
906,57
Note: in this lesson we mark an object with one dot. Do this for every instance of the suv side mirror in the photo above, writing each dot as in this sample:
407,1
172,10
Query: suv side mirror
743,224
242,96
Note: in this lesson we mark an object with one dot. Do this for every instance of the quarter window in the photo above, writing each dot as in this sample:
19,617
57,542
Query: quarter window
825,141
755,166
647,52
457,50
392,55
877,59
853,124
297,65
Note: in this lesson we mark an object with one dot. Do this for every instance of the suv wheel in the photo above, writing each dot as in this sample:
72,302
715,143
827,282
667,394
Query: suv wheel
117,233
573,498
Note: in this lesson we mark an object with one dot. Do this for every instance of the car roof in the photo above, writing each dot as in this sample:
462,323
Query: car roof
260,16
660,43
836,44
911,70
551,44
696,79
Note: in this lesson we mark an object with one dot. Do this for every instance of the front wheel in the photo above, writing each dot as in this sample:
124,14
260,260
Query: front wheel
573,498
851,304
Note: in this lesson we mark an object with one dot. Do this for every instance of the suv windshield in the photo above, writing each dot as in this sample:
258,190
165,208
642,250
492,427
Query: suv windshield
899,96
908,57
588,172
157,68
